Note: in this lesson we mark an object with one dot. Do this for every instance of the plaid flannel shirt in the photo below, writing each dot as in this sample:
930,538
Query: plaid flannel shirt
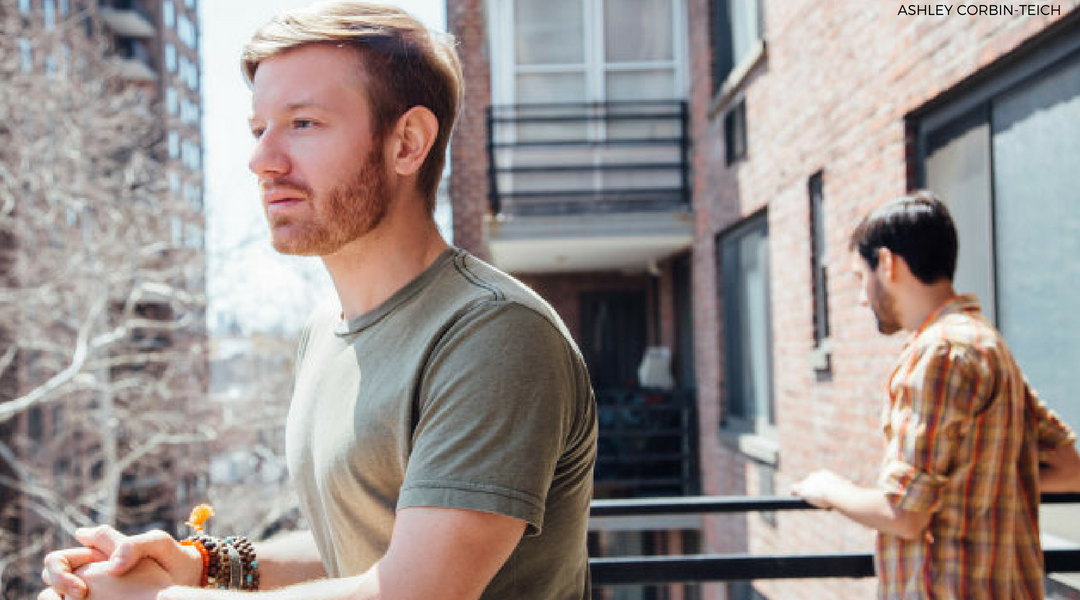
964,433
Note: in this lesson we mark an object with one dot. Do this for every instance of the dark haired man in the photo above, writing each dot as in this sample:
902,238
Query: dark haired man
969,445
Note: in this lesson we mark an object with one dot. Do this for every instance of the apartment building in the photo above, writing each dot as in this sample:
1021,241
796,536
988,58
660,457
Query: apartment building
801,117
805,117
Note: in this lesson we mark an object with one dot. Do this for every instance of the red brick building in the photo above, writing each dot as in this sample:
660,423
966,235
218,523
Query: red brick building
802,116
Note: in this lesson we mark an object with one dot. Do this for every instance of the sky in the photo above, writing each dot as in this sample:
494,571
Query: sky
246,279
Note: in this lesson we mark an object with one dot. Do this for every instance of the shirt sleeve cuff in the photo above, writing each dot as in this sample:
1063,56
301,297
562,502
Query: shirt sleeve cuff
482,498
909,489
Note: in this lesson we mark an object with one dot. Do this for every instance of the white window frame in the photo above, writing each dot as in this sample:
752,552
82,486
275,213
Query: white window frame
505,68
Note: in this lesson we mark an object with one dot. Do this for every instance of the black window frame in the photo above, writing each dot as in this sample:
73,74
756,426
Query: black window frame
735,134
724,60
735,416
818,249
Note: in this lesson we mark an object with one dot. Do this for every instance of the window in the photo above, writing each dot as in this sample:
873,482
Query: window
737,30
1003,157
744,275
49,8
170,57
174,182
589,50
168,13
186,31
171,100
24,6
174,144
191,155
819,270
176,229
735,133
65,8
189,3
26,55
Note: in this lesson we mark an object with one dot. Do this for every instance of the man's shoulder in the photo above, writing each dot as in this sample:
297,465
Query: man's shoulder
964,340
476,286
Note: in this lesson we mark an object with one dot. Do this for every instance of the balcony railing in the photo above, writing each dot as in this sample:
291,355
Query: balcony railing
657,570
647,443
555,159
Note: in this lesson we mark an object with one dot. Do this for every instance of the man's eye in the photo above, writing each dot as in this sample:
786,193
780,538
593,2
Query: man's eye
303,123
256,132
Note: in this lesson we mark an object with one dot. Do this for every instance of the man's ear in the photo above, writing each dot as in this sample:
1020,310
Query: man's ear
411,140
887,264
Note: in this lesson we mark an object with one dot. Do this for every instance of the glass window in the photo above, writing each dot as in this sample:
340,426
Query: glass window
24,6
638,30
176,227
640,84
49,9
174,144
26,55
744,264
1035,149
65,8
171,100
737,28
820,273
168,13
170,57
186,31
549,32
1003,156
735,133
189,3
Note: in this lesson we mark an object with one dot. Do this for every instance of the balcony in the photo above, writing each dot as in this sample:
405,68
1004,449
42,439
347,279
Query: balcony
578,187
698,568
127,22
647,444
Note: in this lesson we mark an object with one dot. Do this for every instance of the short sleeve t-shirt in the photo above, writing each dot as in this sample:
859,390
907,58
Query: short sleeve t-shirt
463,390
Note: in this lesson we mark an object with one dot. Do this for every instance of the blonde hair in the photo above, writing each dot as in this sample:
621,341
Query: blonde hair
402,63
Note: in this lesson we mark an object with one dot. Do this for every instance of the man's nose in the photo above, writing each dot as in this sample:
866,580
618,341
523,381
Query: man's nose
268,158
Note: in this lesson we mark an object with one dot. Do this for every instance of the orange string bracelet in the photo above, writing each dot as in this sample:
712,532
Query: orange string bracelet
199,515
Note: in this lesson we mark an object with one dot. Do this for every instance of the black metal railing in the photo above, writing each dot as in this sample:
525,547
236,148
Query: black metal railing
655,570
549,159
647,443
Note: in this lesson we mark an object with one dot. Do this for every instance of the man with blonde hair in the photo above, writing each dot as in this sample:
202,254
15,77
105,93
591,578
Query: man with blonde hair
442,432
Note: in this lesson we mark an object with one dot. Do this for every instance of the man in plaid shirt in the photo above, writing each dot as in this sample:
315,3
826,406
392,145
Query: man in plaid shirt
969,445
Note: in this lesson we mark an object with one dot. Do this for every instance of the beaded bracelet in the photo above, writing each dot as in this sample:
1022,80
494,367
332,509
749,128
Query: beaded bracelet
227,563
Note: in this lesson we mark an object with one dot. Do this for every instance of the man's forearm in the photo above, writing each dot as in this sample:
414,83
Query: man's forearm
288,559
364,587
870,507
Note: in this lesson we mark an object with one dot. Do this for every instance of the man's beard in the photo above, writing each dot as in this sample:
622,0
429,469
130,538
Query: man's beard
342,215
884,307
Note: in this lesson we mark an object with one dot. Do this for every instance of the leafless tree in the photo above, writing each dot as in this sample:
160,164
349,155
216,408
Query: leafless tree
102,337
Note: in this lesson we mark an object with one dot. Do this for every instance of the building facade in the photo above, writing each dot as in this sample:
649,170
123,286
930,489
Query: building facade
805,117
802,117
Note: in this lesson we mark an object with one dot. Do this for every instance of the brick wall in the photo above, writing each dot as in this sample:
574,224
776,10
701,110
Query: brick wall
831,94
468,157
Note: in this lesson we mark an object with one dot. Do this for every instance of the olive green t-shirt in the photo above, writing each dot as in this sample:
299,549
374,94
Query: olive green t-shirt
463,390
